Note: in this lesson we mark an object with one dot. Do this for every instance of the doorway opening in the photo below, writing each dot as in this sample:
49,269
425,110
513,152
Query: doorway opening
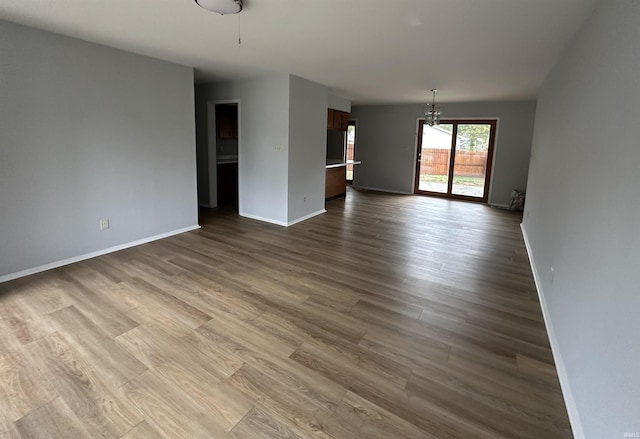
454,159
227,153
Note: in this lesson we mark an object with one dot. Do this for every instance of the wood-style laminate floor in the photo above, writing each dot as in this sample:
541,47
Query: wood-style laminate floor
387,317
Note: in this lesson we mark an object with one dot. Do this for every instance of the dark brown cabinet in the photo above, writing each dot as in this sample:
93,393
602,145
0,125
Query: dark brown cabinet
337,120
227,179
345,121
226,121
336,182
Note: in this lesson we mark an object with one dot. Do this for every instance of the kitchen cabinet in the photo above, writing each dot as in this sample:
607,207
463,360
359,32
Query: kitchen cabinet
336,182
226,121
227,182
345,120
337,120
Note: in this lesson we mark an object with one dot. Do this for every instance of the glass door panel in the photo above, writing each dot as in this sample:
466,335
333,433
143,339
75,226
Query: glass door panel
351,148
454,159
434,158
471,158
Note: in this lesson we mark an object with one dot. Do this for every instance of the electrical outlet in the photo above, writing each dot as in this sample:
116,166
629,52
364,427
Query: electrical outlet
553,274
304,199
104,223
277,148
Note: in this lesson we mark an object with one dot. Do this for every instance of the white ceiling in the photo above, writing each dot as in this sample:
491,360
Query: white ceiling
370,51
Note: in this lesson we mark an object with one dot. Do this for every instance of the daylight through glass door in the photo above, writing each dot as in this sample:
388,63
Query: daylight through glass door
351,149
434,157
454,159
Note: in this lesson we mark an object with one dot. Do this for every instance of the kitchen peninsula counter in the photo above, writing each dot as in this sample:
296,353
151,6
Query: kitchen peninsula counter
336,177
340,163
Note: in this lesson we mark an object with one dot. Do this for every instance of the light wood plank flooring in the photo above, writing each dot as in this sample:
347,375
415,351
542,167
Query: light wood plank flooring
387,317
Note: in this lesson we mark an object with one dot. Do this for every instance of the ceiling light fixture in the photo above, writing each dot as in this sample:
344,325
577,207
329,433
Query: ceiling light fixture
221,7
432,111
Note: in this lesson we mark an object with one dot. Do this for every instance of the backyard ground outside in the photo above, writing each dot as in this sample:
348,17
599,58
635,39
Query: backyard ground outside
462,185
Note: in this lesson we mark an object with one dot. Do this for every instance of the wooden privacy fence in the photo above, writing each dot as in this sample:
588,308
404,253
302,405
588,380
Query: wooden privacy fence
349,150
468,163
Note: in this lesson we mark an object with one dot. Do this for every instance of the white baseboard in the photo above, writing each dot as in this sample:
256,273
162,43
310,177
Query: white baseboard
263,219
281,223
572,410
116,248
306,217
499,205
365,188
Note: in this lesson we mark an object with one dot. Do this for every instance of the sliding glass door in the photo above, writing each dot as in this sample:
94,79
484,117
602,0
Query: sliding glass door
454,159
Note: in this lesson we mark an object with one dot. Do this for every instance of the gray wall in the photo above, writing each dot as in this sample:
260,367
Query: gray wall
582,218
386,143
307,147
263,125
202,94
338,103
282,125
88,132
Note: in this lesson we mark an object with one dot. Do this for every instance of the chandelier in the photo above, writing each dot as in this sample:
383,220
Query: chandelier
432,111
